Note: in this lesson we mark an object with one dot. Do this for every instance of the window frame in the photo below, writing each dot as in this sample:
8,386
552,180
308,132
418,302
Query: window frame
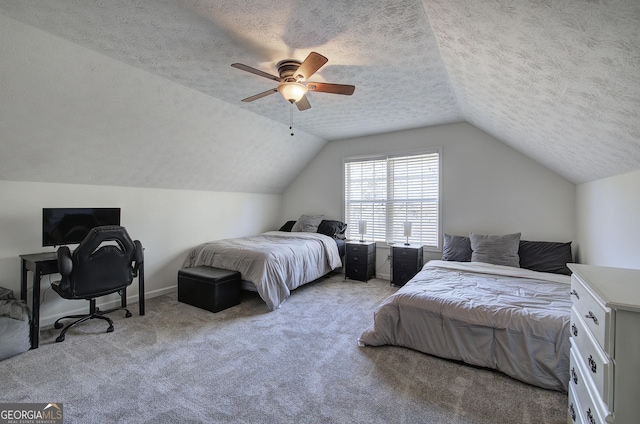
386,156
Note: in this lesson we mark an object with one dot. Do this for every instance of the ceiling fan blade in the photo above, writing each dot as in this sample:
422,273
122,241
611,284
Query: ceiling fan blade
311,64
303,104
325,87
261,95
255,71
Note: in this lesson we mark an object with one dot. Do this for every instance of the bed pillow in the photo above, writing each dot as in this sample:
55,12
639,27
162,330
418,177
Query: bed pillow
332,228
307,224
456,248
496,249
287,226
545,256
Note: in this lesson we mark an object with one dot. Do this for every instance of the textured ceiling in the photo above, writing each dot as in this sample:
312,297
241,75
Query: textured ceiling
556,80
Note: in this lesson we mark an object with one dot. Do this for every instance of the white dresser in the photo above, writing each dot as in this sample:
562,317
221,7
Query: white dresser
604,384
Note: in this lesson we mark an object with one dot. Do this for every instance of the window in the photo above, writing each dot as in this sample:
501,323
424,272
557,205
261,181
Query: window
387,191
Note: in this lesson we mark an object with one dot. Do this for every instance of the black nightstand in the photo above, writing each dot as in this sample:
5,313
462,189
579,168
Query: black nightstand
406,261
360,260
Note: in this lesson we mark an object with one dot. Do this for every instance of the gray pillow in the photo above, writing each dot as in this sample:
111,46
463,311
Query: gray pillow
496,249
307,224
456,248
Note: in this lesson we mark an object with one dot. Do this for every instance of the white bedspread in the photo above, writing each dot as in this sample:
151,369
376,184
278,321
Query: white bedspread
510,319
276,262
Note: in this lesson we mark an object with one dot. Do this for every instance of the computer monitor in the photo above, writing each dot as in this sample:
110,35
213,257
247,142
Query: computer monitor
61,226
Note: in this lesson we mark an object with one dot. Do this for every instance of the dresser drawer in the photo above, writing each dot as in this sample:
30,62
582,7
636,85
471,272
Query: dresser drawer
574,407
362,271
401,277
359,259
360,248
403,271
592,409
407,265
598,317
405,253
595,361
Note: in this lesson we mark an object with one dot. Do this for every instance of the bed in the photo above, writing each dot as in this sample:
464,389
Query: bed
504,317
275,262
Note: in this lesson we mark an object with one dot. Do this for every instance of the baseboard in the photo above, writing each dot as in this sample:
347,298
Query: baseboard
158,292
383,276
131,300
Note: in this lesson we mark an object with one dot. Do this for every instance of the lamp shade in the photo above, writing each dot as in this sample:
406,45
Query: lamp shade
292,91
407,229
362,227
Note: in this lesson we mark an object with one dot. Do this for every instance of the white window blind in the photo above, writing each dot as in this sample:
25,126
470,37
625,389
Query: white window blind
388,191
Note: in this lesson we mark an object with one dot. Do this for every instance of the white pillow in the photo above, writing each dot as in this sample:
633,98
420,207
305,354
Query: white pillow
307,224
494,249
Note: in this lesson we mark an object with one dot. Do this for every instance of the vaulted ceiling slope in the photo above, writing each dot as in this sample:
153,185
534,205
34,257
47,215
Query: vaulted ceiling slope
558,80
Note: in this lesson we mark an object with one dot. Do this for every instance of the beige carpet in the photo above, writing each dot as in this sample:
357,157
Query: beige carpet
299,364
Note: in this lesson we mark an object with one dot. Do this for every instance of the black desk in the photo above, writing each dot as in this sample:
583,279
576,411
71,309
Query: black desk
47,263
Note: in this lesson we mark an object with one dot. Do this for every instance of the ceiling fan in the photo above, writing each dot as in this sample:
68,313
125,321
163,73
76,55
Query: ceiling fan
293,80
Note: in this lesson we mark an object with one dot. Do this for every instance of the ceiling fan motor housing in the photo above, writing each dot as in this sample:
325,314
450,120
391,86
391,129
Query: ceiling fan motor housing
287,70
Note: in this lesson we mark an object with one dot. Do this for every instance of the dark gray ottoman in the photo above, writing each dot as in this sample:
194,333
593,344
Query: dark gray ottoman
209,288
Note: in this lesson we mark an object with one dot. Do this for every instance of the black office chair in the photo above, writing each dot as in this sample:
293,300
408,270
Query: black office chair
105,262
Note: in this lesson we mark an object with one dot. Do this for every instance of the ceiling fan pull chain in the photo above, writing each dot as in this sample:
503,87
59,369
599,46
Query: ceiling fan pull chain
291,117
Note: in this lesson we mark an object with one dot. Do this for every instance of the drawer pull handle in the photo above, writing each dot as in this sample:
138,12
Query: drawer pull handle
574,330
572,410
590,416
574,375
592,364
593,317
575,293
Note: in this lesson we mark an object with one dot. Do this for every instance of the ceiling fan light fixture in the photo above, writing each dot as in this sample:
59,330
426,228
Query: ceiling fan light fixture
292,91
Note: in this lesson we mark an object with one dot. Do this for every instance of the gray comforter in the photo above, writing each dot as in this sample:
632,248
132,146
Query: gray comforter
509,319
275,262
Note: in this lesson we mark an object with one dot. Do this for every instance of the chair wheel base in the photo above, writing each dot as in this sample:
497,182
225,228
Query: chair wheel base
95,313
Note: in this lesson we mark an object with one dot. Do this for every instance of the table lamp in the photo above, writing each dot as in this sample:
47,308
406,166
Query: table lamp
407,231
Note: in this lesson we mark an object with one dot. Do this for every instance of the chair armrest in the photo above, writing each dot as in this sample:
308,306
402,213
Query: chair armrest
65,263
139,255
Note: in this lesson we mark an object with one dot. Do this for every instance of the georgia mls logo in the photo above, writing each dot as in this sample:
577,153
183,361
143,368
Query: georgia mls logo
31,413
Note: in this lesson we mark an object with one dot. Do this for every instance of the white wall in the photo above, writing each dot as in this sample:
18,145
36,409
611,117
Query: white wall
487,187
608,221
167,222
